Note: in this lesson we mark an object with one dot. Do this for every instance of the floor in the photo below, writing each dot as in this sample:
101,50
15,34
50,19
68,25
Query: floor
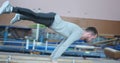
7,57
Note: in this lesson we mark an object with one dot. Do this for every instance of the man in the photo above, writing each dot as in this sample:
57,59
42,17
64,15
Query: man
71,31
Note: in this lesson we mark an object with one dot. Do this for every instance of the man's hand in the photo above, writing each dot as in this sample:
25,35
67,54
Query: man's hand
54,61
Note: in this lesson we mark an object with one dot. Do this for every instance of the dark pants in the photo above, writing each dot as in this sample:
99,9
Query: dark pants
42,18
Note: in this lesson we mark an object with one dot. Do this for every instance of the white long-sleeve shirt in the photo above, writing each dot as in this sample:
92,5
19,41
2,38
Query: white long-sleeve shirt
70,30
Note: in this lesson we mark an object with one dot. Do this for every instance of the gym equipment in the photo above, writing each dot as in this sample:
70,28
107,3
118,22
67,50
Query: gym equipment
107,41
13,33
27,58
112,53
27,45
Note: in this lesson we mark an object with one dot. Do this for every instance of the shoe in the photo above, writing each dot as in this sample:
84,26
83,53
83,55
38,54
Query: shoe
15,19
6,8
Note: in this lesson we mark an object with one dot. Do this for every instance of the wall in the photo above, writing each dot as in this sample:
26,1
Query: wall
103,14
107,27
103,26
96,9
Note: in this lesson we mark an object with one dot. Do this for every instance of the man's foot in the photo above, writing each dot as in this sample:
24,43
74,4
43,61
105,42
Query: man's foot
6,8
15,19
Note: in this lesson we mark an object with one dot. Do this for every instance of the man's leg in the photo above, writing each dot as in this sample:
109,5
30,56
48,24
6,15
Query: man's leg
42,18
19,17
31,14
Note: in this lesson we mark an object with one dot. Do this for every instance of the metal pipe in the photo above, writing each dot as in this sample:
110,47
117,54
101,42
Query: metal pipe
37,31
46,44
27,44
33,48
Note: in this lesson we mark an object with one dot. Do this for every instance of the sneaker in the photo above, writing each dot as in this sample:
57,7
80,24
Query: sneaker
15,19
6,8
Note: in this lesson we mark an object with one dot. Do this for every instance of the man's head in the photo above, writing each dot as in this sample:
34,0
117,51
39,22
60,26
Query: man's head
89,34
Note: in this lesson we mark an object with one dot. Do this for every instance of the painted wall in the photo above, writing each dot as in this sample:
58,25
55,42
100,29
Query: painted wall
96,9
103,14
103,26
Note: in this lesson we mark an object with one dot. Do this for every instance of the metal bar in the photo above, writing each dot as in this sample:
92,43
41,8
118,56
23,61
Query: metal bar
27,43
33,48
